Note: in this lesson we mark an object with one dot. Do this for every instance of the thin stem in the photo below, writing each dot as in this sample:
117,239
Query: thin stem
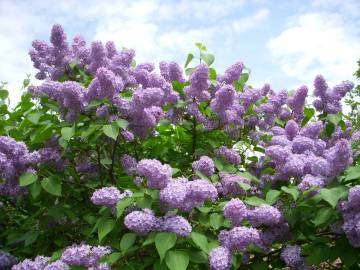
194,137
99,164
111,169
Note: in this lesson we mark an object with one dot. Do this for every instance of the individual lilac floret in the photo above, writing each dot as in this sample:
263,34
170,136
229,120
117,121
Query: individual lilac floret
204,165
141,222
58,265
230,155
220,258
156,174
7,260
37,264
291,255
265,215
236,211
129,164
84,255
175,224
239,238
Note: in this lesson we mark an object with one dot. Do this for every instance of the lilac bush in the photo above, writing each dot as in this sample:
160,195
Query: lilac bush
112,164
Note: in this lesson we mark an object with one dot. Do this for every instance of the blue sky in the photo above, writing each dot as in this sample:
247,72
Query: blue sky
284,43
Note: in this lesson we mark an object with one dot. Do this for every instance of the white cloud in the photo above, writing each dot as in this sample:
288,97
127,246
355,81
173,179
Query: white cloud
317,42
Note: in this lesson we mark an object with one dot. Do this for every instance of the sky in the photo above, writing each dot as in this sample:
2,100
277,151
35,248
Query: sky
284,42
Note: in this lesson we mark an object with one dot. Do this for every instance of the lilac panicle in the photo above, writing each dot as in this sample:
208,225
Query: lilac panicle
141,222
204,165
220,258
291,255
236,211
157,175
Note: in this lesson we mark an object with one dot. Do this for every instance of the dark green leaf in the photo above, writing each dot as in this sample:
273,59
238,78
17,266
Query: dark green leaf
105,226
163,242
177,260
27,179
52,185
127,241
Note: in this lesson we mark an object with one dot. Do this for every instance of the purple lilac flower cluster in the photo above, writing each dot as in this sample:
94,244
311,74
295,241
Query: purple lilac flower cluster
329,100
291,255
230,155
240,237
204,165
76,255
7,260
229,184
144,221
112,73
156,174
15,159
109,196
303,155
186,195
351,215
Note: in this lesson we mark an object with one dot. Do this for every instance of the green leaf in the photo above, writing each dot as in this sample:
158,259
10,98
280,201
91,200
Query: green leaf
201,241
293,191
4,93
111,131
201,46
334,118
212,74
122,204
318,254
201,175
255,201
127,241
26,82
31,238
105,226
122,123
188,71
272,196
216,220
309,113
333,195
189,58
177,260
244,186
198,257
35,189
244,77
52,185
259,265
34,117
208,58
163,242
352,173
322,216
67,133
27,179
